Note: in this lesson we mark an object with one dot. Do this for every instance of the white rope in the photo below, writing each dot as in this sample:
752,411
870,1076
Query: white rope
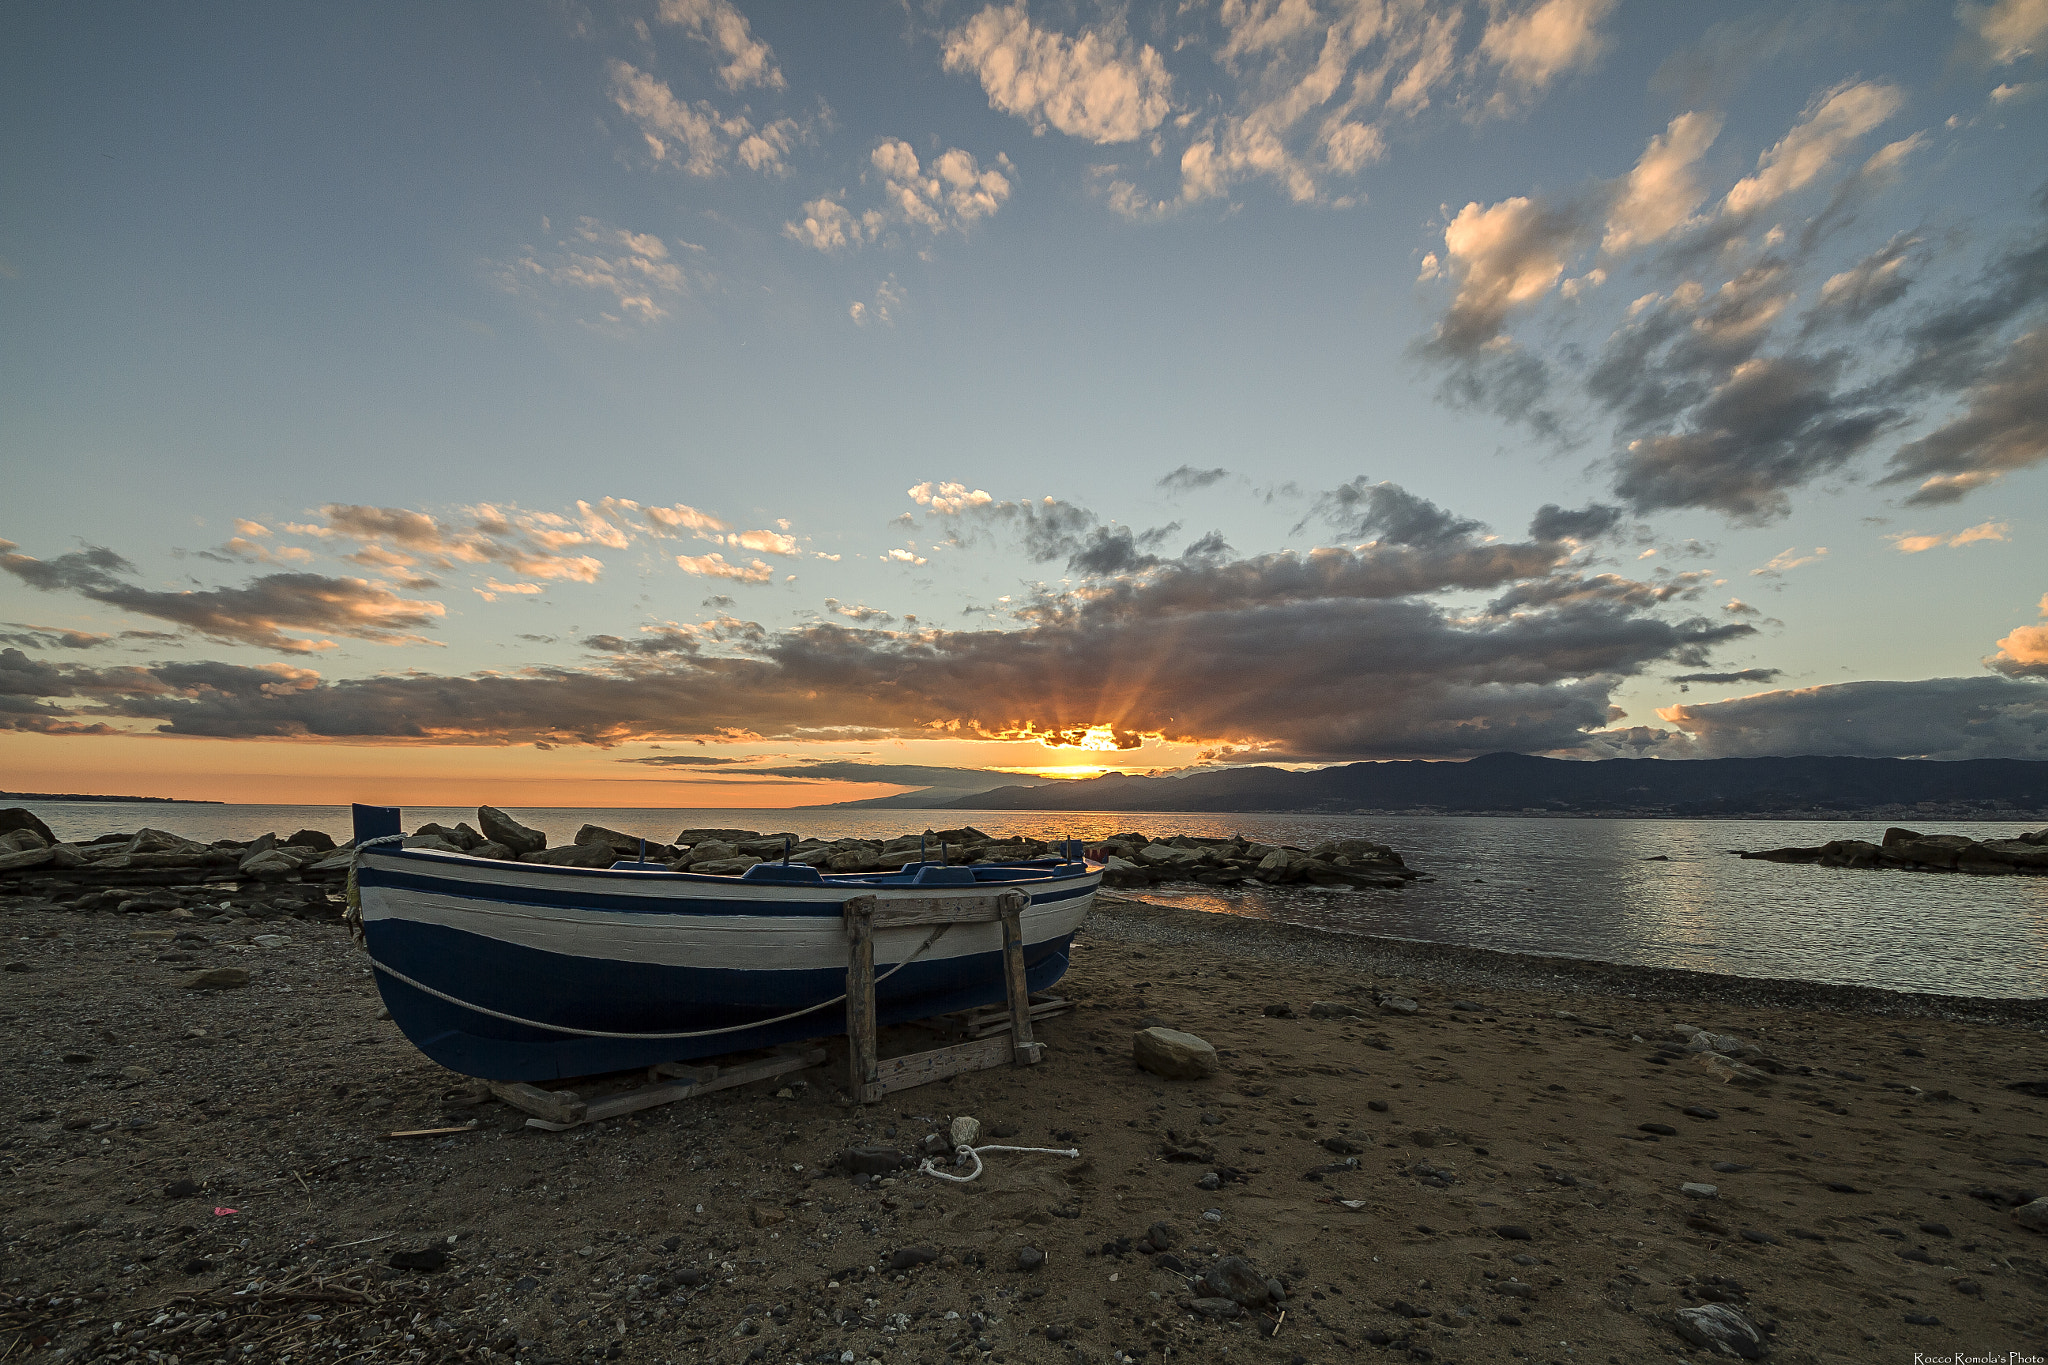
397,975
964,1154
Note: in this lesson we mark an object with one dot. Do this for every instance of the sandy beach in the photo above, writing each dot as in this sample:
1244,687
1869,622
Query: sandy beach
200,1175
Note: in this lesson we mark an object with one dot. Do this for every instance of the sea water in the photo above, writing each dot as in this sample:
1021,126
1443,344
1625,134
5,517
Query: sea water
1658,893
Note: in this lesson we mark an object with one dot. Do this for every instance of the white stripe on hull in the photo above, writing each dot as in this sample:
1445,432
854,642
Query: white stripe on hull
740,942
698,939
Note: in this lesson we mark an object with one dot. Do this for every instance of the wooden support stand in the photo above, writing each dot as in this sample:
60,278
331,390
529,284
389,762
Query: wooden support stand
560,1110
870,1077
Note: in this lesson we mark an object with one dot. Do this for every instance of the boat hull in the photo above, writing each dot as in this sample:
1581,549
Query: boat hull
464,947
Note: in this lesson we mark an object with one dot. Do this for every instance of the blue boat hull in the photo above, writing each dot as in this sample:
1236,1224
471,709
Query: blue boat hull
504,970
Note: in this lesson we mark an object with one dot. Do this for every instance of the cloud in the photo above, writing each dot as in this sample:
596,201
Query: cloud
2003,427
533,544
1660,194
632,270
748,60
1388,512
1787,560
952,194
257,614
2024,653
1097,86
888,298
2004,31
1908,544
862,614
681,517
1324,655
1940,718
1545,41
1743,675
1502,257
948,499
714,566
1188,479
1590,522
1835,119
697,137
1874,283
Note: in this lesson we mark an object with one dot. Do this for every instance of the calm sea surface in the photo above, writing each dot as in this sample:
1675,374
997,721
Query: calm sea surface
1577,888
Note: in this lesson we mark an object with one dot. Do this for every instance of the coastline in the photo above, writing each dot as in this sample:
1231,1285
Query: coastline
1507,1154
1455,964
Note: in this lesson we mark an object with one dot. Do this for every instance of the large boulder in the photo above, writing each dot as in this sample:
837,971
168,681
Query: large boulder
21,841
1357,851
461,838
271,865
1849,853
574,855
317,840
1175,1055
625,845
724,867
2013,853
689,838
709,851
21,817
501,828
17,860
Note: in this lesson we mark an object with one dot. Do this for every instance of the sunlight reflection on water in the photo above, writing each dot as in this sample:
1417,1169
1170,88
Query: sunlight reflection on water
1572,887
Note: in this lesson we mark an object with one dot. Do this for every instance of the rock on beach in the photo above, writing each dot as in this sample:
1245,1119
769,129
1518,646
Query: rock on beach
1175,1055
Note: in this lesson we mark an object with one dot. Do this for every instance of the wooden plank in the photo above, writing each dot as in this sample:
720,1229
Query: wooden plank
988,1022
908,913
860,997
921,1068
680,1071
428,1132
554,1106
648,1096
1020,990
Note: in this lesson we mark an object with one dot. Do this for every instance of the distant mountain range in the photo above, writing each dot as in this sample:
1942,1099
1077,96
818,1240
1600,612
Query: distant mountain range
83,796
1862,788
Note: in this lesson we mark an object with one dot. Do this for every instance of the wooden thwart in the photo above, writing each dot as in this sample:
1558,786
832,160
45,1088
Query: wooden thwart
559,1110
870,1077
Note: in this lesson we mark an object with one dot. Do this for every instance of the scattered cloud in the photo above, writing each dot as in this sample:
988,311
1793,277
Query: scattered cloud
1909,544
1187,478
2003,32
1658,197
1097,86
1741,675
697,137
1834,120
258,614
1787,560
2024,653
952,194
631,273
714,566
748,60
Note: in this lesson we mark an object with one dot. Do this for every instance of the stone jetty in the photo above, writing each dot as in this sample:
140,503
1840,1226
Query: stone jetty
301,873
1912,851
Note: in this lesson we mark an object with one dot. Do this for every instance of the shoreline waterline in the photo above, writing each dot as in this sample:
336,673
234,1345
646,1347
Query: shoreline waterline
1657,893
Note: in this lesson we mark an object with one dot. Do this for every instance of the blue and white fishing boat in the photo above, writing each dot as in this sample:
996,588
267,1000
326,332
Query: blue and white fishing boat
515,971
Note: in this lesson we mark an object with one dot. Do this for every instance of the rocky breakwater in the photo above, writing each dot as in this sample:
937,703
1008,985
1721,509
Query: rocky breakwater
1135,860
154,869
1912,851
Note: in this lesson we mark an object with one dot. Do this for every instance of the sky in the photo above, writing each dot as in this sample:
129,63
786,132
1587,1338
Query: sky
690,403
